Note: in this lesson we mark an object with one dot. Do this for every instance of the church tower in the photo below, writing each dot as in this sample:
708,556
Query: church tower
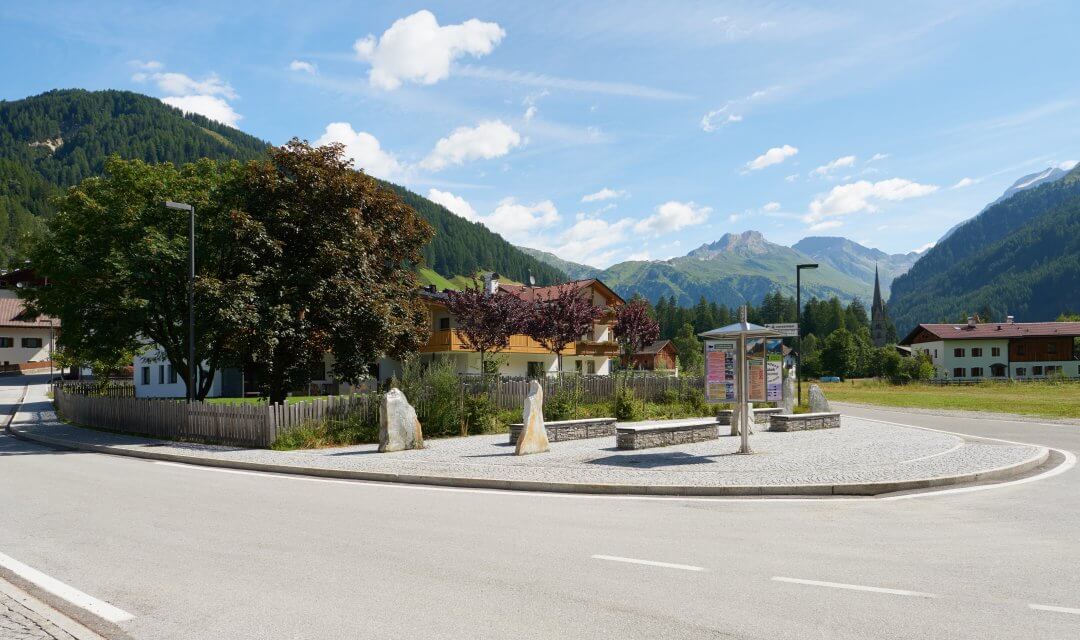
879,317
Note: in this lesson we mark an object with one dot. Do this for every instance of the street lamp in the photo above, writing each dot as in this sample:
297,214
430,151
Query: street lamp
798,324
181,206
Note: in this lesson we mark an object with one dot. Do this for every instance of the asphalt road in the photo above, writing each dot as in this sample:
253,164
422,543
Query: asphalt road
199,553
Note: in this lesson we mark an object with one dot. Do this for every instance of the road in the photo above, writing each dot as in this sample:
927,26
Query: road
199,553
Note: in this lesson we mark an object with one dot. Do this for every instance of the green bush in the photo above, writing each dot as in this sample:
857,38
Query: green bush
626,406
562,404
352,429
481,414
435,392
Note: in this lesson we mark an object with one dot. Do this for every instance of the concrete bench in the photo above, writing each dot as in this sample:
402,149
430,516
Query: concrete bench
644,435
761,416
558,430
804,421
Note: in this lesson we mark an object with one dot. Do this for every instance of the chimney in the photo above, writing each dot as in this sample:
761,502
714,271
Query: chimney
491,282
1010,319
971,322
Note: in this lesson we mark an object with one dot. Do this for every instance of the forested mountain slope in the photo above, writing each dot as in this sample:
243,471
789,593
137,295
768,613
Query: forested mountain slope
56,139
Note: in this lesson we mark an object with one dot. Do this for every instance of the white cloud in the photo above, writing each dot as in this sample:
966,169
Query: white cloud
963,182
455,204
876,157
306,67
863,196
364,149
732,111
147,65
672,216
1068,165
829,167
212,107
417,49
489,139
773,156
924,248
569,84
792,178
771,206
518,222
589,239
603,194
827,224
207,97
530,113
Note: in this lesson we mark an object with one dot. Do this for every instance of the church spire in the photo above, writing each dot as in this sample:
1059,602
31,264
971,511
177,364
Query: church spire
878,315
877,291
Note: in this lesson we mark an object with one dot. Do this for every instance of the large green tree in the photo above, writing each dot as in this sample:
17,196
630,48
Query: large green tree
116,262
338,273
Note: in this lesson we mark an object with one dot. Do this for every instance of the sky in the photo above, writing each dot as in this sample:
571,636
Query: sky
609,131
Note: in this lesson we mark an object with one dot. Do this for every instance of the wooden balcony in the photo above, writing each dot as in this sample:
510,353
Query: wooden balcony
448,340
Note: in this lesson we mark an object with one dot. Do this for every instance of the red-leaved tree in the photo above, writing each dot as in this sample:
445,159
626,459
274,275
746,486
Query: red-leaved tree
634,328
560,317
485,321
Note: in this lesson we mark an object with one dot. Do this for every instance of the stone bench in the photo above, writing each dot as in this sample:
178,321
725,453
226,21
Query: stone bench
644,435
761,416
804,421
558,430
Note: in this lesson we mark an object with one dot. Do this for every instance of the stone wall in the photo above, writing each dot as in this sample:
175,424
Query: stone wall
666,436
804,421
571,429
761,416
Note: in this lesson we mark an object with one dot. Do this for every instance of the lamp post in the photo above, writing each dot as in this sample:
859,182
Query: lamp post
798,323
181,206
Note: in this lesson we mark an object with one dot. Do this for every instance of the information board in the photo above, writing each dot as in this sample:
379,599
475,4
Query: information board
720,370
774,369
755,366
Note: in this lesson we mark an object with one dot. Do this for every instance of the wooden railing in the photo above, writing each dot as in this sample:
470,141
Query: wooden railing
450,340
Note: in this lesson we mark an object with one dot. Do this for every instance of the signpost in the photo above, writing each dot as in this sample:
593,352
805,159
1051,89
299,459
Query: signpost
785,329
741,353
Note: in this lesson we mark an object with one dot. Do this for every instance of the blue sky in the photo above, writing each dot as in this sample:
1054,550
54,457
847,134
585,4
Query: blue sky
611,131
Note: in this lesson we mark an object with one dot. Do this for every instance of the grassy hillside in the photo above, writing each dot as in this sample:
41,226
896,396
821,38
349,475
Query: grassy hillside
54,140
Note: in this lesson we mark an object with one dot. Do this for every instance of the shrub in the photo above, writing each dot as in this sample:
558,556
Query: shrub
626,406
435,392
351,429
481,414
561,405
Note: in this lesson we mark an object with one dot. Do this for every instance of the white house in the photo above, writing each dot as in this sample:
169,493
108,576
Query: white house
26,341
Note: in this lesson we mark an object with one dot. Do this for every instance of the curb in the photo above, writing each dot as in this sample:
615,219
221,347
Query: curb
851,489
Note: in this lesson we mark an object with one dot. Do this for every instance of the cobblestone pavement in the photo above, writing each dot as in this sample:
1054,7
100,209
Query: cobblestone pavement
861,451
19,623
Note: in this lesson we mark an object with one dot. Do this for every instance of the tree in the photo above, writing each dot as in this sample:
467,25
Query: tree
485,321
634,328
116,260
338,273
839,356
560,317
691,356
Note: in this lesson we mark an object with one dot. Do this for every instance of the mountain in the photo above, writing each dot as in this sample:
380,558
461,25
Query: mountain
855,260
1030,181
736,268
1019,257
51,141
573,270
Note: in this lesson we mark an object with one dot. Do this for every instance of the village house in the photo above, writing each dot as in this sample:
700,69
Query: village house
998,350
26,342
592,354
661,355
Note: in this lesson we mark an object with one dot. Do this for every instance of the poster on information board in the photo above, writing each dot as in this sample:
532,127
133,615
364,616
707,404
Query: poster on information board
755,369
720,370
774,369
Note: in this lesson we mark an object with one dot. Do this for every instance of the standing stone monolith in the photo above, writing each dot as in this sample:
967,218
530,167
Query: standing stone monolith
399,428
788,400
818,403
533,438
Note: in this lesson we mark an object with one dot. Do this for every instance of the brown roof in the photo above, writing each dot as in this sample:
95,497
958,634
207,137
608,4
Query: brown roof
992,330
13,314
532,293
656,347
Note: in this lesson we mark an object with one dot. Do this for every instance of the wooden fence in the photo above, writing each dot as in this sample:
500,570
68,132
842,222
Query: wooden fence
242,425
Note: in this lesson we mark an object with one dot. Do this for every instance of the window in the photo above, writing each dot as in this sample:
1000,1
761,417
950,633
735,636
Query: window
7,343
161,374
172,375
444,324
1051,347
958,372
976,372
976,352
579,366
535,369
1021,371
935,353
31,343
1036,370
958,353
995,351
146,375
592,366
1021,350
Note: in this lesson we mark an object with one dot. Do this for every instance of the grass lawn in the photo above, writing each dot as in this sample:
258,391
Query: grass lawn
1029,398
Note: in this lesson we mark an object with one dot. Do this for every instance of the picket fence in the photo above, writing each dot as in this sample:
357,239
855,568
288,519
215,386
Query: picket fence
242,425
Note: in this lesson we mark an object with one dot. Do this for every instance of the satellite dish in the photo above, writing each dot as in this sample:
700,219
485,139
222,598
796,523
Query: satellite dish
532,280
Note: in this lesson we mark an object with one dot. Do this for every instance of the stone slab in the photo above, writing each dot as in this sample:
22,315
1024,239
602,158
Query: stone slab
561,430
646,435
804,421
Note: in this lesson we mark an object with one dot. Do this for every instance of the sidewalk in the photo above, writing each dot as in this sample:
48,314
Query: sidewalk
860,458
23,617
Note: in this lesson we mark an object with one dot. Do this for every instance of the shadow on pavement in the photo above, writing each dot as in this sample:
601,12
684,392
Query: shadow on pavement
652,460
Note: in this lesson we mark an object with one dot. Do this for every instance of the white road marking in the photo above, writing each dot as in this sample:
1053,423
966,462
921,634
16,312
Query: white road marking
67,592
1047,607
650,563
855,587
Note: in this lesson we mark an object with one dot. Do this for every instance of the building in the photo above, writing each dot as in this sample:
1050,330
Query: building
26,342
998,350
592,354
879,316
658,356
